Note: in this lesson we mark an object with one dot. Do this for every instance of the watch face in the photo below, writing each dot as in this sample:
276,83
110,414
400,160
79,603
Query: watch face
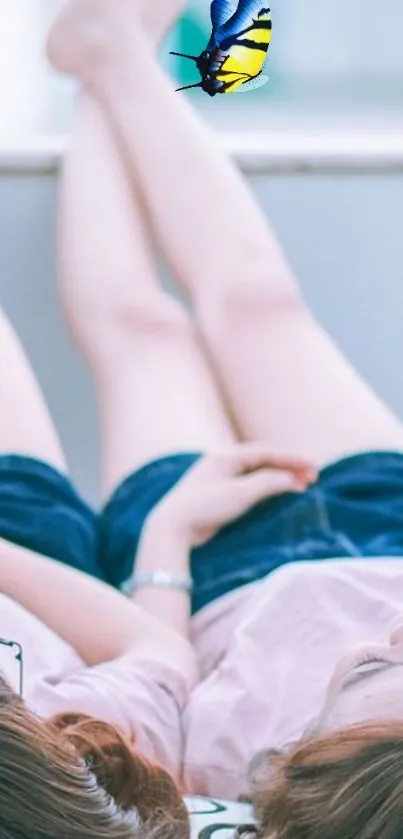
212,818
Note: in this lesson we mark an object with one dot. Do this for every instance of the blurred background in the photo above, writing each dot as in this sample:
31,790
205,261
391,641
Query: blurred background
336,79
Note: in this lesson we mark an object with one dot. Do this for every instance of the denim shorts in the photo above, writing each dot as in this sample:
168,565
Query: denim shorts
354,510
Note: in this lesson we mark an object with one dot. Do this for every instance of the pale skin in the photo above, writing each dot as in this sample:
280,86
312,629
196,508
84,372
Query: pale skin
93,278
280,375
271,357
256,348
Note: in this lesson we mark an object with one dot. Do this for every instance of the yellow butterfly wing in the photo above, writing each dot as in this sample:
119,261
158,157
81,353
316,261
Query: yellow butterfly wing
232,74
247,51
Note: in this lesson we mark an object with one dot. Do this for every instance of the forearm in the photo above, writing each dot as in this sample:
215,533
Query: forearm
163,547
97,621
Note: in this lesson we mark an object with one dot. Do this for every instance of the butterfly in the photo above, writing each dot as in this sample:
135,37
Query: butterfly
237,50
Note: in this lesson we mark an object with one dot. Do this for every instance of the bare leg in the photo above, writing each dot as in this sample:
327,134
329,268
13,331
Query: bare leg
155,392
286,380
25,424
202,210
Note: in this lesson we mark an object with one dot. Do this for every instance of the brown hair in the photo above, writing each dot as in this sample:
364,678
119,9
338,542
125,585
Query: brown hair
80,778
347,785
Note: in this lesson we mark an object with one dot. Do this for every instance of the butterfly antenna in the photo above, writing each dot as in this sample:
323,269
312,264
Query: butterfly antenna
182,55
188,87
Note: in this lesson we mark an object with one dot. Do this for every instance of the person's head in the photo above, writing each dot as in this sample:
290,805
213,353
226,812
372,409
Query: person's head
79,778
344,785
367,684
345,777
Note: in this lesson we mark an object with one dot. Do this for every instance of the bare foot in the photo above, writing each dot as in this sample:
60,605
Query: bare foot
83,28
79,32
159,15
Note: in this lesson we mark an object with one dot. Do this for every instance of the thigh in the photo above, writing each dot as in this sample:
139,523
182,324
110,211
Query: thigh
26,427
287,381
156,392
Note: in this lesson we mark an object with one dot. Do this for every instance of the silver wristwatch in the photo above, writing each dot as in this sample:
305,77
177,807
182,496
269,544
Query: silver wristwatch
157,579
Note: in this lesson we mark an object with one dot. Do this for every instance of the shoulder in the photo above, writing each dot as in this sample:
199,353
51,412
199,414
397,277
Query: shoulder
44,653
143,697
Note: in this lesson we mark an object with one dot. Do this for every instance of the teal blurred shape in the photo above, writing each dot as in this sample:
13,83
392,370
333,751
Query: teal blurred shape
189,36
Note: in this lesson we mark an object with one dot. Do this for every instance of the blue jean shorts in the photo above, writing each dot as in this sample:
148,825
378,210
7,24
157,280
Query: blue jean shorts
354,510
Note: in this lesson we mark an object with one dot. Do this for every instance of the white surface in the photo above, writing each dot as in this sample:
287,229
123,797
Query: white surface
285,151
212,815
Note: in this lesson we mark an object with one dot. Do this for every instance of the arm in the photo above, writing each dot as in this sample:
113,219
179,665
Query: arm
218,489
98,622
165,546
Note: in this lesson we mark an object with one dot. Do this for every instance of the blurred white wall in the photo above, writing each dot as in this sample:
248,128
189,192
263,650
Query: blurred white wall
344,45
25,93
349,38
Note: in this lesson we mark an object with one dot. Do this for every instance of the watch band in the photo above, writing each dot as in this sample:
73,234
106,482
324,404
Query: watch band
157,579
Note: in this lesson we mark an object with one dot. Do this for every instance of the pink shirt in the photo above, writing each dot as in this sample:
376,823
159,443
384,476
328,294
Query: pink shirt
266,651
145,698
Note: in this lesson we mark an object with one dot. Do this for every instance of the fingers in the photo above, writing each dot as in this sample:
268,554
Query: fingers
266,484
250,457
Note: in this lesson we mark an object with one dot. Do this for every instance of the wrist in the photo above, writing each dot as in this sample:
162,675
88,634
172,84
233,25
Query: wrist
165,524
164,545
162,560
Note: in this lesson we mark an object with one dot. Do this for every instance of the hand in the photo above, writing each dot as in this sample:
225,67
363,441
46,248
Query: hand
221,487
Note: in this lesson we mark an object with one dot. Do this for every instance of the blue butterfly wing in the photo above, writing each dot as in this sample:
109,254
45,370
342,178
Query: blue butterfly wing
221,12
246,11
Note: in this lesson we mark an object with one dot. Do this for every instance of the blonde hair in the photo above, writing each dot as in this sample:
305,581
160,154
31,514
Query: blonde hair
347,785
79,778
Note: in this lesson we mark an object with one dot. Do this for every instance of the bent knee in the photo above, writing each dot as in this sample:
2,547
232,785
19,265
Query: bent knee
248,301
152,315
137,319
